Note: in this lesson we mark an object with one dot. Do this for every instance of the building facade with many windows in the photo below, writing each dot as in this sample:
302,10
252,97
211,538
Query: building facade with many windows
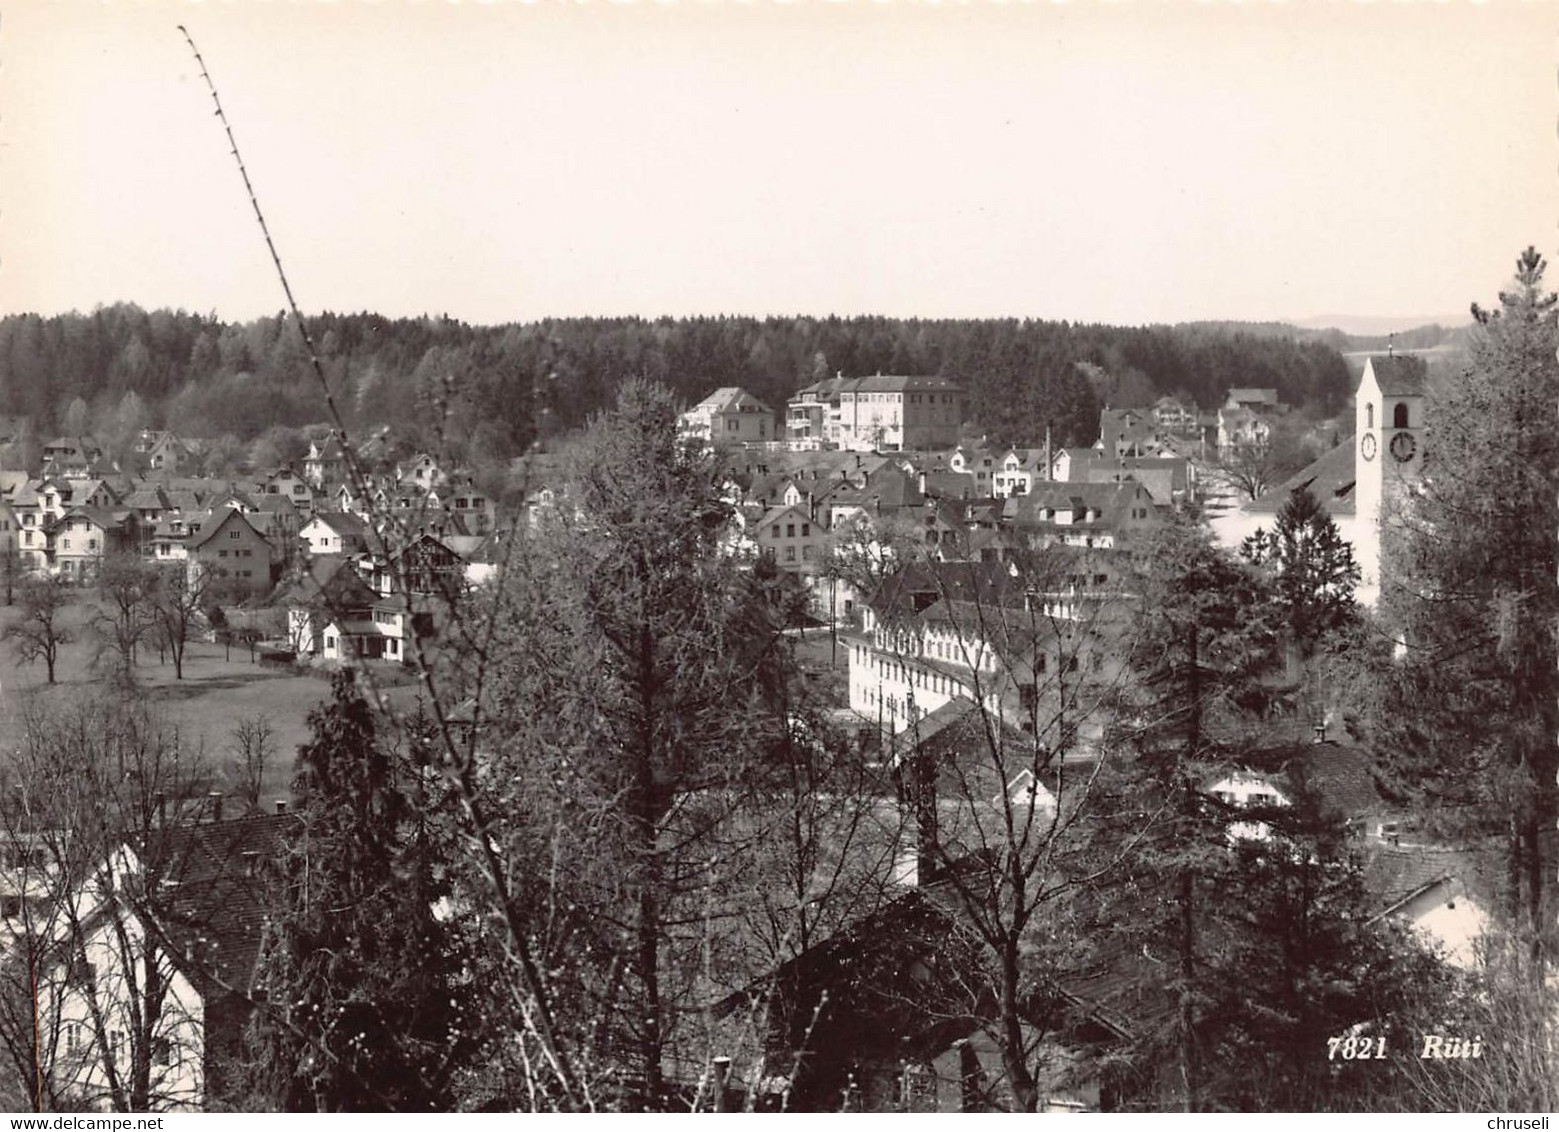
876,414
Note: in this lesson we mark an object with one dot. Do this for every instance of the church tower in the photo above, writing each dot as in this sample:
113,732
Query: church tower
1388,458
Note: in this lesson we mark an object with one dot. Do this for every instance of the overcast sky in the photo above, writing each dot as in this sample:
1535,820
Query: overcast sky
499,162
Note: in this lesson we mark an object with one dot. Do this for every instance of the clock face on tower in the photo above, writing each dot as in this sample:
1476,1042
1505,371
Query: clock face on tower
1403,446
1367,446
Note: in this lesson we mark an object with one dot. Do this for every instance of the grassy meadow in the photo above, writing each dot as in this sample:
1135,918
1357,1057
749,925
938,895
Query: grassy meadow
215,693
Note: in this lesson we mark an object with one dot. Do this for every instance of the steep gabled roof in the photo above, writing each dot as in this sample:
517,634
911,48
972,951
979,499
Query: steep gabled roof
217,909
345,523
1340,780
148,497
775,514
213,524
330,580
894,488
1396,875
1330,479
274,505
107,518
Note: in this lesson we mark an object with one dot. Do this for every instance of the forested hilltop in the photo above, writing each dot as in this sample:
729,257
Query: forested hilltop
507,386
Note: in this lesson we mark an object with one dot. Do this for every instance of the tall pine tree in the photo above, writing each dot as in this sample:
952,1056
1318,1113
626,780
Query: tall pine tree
364,1012
1471,714
1313,570
1193,702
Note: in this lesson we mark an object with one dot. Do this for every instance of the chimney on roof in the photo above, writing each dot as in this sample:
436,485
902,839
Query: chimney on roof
1049,466
1320,732
281,805
216,805
721,1071
251,862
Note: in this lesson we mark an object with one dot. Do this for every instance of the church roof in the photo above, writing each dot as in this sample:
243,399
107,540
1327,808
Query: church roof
1399,375
1330,479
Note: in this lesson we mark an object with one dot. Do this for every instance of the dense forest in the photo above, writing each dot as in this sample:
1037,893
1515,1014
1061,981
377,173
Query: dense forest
497,390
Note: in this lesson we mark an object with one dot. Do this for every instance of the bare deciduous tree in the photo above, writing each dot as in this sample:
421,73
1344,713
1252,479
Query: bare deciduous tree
126,587
252,744
94,1012
177,604
40,632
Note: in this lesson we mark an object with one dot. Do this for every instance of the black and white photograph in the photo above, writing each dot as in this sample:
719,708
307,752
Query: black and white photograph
778,556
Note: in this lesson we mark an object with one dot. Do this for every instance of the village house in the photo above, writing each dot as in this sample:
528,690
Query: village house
1168,479
337,532
1071,464
227,546
330,612
1245,419
422,470
1241,428
425,566
149,502
1125,432
1174,417
1090,515
93,1014
286,481
471,507
483,555
1446,894
164,452
325,463
979,464
791,539
73,457
1019,470
202,930
729,416
1260,400
84,536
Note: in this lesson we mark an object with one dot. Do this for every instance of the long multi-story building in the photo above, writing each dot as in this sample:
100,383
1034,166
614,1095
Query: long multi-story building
882,413
1031,647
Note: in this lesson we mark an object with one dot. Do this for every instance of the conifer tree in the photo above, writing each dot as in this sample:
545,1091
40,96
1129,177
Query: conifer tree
363,1012
1204,640
1241,926
1313,570
1470,715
